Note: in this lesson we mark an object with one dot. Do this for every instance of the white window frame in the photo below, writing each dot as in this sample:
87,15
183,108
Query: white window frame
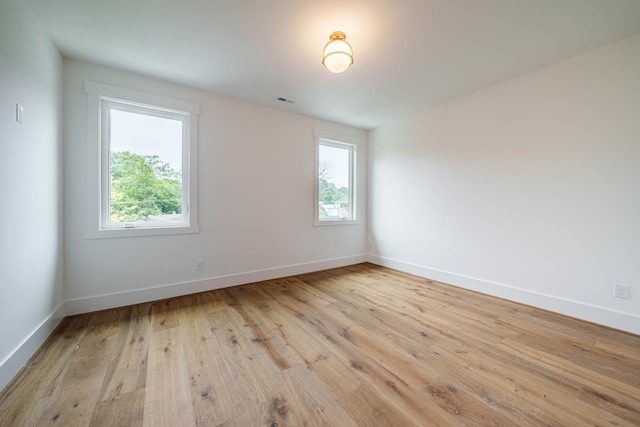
339,141
101,99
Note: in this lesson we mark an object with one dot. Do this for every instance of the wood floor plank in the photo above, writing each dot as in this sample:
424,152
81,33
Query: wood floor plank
356,345
514,317
270,404
567,369
261,389
269,342
398,353
292,397
242,349
497,380
242,420
578,327
312,401
77,399
461,404
128,366
368,408
621,368
165,314
441,358
623,406
214,393
617,394
617,348
42,377
366,366
125,410
392,305
167,398
333,374
211,302
77,395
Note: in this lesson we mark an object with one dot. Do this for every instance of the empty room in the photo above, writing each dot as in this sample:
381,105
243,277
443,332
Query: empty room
245,213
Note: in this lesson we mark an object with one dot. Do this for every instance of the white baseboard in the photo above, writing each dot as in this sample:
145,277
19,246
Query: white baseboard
120,299
19,357
603,316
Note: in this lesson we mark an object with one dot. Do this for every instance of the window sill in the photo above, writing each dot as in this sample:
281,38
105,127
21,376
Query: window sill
139,232
336,222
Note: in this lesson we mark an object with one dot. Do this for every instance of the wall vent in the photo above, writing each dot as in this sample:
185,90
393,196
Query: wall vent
288,101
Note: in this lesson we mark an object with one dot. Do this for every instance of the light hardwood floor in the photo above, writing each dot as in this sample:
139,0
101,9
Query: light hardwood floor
360,345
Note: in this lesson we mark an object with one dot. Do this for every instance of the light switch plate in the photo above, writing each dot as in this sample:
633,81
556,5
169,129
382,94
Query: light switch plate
19,113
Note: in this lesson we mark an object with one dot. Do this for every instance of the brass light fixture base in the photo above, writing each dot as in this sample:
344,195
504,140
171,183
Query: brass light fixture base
337,35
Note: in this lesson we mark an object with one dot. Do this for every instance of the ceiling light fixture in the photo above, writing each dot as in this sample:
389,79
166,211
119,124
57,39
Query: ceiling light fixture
337,55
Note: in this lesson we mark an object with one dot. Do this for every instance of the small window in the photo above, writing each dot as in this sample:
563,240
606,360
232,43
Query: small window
335,182
146,164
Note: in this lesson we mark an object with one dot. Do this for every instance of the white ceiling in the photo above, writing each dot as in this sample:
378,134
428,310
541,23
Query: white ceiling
408,54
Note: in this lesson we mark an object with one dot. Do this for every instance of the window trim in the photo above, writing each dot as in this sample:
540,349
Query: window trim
101,95
339,141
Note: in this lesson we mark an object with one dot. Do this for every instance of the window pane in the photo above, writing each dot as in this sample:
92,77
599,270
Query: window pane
333,182
145,167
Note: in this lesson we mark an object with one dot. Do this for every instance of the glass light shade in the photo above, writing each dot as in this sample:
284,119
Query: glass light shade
337,55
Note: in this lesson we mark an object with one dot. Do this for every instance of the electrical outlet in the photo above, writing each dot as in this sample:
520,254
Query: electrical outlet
622,291
200,265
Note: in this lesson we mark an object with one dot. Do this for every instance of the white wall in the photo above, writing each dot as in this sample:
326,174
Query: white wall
255,201
529,189
31,187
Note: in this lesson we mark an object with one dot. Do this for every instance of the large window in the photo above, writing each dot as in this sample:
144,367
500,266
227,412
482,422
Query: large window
335,201
146,156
